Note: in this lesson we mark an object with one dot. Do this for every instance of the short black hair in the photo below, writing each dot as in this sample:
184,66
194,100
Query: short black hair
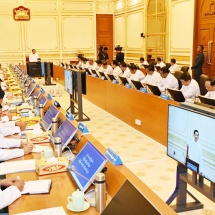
196,131
158,59
165,69
202,47
105,48
212,82
133,67
173,60
185,76
115,62
104,63
123,64
99,62
142,59
33,49
151,68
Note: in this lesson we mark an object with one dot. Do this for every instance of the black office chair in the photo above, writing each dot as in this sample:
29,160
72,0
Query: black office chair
202,80
178,77
185,68
168,65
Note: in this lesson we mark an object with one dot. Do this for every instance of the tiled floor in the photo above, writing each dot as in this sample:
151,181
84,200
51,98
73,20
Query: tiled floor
142,155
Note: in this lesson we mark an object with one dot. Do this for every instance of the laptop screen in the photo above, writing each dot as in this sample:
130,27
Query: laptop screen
30,90
86,165
52,112
66,132
42,100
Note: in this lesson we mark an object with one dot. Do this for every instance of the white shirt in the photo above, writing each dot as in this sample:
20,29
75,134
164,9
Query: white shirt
174,68
153,79
79,64
210,94
33,57
8,196
108,70
137,76
9,128
169,82
191,90
126,73
93,67
161,64
141,65
117,72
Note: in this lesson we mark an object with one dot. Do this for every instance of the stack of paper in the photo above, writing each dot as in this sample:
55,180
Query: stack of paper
38,148
52,211
37,186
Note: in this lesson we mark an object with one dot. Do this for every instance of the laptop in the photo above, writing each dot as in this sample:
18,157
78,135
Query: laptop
30,90
207,100
103,75
42,100
154,89
137,84
124,80
88,71
177,95
111,77
46,121
35,94
95,73
66,132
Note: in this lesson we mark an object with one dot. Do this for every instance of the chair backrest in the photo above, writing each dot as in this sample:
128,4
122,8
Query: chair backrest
185,68
168,65
177,75
202,80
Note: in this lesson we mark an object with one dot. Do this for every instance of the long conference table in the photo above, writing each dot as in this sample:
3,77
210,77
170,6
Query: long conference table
63,186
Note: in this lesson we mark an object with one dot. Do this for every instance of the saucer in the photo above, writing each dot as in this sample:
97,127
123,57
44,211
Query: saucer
86,206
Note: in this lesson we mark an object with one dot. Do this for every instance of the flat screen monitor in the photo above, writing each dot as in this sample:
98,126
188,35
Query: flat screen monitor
86,165
191,140
52,112
48,72
83,80
34,69
154,89
177,95
68,81
66,132
124,80
30,90
137,84
36,93
42,100
207,100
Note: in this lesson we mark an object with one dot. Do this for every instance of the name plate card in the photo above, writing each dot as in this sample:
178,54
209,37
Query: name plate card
115,82
113,157
143,90
83,128
128,85
164,96
38,86
49,97
69,116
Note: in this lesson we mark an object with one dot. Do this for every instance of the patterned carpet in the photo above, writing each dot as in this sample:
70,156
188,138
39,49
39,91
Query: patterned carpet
142,155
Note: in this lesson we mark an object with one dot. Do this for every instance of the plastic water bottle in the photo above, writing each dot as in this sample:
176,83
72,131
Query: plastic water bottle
58,147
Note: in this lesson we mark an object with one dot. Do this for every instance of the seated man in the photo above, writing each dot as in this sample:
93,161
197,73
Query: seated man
190,87
93,65
143,62
107,68
152,77
99,68
116,69
85,63
12,192
160,63
136,74
210,86
33,57
168,80
125,70
174,66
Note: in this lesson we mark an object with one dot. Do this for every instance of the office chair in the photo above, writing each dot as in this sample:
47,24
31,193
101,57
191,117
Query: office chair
202,80
185,68
178,77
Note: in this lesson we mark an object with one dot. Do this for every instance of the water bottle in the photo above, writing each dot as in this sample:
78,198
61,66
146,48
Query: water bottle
58,147
54,125
100,192
41,111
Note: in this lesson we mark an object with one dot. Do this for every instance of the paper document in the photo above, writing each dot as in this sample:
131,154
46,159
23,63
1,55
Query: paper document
38,148
37,186
52,211
17,166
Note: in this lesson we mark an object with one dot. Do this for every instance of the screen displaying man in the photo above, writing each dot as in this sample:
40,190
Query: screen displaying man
210,87
33,57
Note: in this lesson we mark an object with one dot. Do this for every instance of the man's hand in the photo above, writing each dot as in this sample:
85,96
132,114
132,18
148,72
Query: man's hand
19,184
27,147
22,125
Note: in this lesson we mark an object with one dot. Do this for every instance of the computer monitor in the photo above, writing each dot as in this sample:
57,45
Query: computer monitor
52,112
177,95
30,90
66,132
154,89
68,81
42,100
34,69
137,84
123,80
86,165
36,93
191,139
207,100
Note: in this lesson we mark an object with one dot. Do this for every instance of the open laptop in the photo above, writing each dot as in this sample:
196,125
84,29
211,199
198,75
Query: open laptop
30,90
66,132
111,77
207,100
154,89
88,71
177,95
124,80
46,121
137,84
95,73
103,75
35,94
43,101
